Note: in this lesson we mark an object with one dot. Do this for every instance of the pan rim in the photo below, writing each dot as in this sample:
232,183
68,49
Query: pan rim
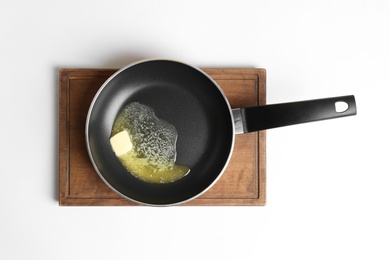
87,123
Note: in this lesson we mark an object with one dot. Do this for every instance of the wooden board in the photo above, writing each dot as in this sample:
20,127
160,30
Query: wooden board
243,182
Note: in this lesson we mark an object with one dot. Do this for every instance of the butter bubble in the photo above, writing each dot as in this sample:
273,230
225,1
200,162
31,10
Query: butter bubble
153,156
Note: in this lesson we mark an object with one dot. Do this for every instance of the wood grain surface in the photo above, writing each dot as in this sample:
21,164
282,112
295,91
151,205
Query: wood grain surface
242,183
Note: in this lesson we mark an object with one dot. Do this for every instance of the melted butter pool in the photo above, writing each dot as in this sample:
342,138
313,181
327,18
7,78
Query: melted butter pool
153,154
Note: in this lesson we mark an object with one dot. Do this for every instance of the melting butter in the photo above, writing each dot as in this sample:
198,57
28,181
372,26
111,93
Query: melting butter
121,143
151,154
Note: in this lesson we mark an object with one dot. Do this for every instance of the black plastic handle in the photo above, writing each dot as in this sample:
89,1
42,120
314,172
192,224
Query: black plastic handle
284,114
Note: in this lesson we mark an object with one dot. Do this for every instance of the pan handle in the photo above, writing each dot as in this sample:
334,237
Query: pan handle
251,119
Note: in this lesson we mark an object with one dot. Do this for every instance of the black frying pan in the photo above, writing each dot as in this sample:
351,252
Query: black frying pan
194,103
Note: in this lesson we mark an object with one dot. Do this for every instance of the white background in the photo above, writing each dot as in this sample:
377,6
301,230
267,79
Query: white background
327,182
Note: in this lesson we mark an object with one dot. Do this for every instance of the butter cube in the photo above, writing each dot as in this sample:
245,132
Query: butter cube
121,143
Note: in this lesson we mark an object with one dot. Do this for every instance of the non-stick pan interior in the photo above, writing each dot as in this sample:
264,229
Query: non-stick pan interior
180,95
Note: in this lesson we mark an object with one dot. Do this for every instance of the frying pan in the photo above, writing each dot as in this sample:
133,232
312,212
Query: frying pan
193,102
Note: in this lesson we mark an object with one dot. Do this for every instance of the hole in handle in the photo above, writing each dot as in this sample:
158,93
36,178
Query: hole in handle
341,106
